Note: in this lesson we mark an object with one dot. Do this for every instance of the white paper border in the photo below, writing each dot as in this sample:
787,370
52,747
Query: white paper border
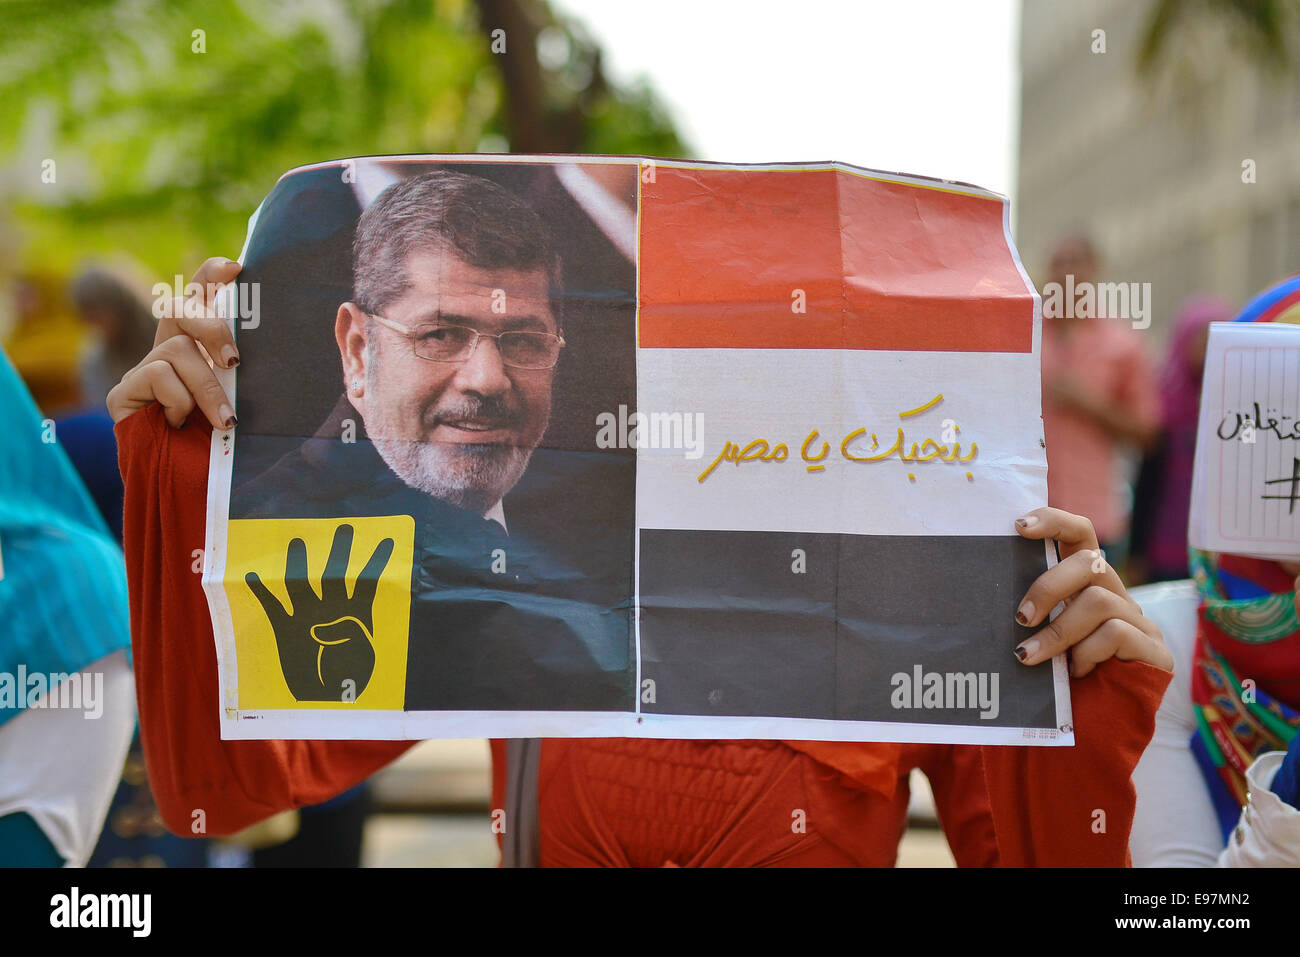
413,725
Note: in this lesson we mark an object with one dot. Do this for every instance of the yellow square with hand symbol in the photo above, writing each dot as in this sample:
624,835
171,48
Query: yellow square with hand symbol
321,610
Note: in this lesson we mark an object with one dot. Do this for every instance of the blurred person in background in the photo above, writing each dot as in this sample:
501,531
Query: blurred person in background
1158,546
1099,397
1220,780
43,341
133,832
124,325
108,303
326,835
67,701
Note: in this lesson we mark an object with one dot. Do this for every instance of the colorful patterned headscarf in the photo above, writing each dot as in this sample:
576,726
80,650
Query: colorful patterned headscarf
1246,667
1245,671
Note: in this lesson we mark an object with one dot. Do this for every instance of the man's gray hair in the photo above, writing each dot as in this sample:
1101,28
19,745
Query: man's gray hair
484,224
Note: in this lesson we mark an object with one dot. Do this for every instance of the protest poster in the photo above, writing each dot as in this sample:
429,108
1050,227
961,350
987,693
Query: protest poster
611,446
1247,466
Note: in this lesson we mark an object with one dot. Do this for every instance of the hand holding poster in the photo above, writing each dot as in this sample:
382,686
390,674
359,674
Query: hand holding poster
606,446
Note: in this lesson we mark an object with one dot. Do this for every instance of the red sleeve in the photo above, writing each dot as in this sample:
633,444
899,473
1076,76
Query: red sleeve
1073,807
234,783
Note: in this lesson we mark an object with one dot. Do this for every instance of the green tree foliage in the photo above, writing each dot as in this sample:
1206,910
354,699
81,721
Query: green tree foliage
169,121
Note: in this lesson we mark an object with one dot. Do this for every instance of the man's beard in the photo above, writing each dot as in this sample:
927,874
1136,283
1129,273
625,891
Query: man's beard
470,476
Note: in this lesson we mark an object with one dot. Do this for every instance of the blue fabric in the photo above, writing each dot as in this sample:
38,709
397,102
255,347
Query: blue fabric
88,440
63,600
1286,783
24,844
1226,808
338,800
1235,588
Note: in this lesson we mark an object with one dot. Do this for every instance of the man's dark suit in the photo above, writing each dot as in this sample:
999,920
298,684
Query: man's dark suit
553,633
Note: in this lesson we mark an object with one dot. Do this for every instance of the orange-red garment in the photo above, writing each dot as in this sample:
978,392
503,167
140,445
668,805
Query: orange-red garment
616,801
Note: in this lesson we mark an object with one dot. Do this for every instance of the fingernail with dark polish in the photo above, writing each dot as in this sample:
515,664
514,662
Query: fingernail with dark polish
230,357
1025,613
1021,653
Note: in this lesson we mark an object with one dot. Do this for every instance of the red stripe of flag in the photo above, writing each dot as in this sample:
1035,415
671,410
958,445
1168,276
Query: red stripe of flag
881,265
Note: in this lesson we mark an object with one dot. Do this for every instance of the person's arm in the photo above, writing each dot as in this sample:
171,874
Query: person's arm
1175,824
1119,417
233,783
164,410
1131,413
1073,807
1139,394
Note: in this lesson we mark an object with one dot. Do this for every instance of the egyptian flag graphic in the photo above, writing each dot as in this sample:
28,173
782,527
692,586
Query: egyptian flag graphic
838,421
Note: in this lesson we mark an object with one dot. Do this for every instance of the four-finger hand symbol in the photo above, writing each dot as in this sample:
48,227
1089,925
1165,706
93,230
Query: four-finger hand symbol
326,640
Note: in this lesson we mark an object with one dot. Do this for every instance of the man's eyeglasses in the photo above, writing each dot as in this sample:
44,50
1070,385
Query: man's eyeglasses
441,342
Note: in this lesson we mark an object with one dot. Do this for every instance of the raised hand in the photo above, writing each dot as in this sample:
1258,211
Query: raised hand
177,372
1101,620
326,641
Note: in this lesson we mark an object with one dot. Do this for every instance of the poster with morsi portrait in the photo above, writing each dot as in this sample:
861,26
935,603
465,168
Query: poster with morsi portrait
613,446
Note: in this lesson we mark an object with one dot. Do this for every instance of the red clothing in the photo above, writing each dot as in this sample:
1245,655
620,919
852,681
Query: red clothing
616,801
